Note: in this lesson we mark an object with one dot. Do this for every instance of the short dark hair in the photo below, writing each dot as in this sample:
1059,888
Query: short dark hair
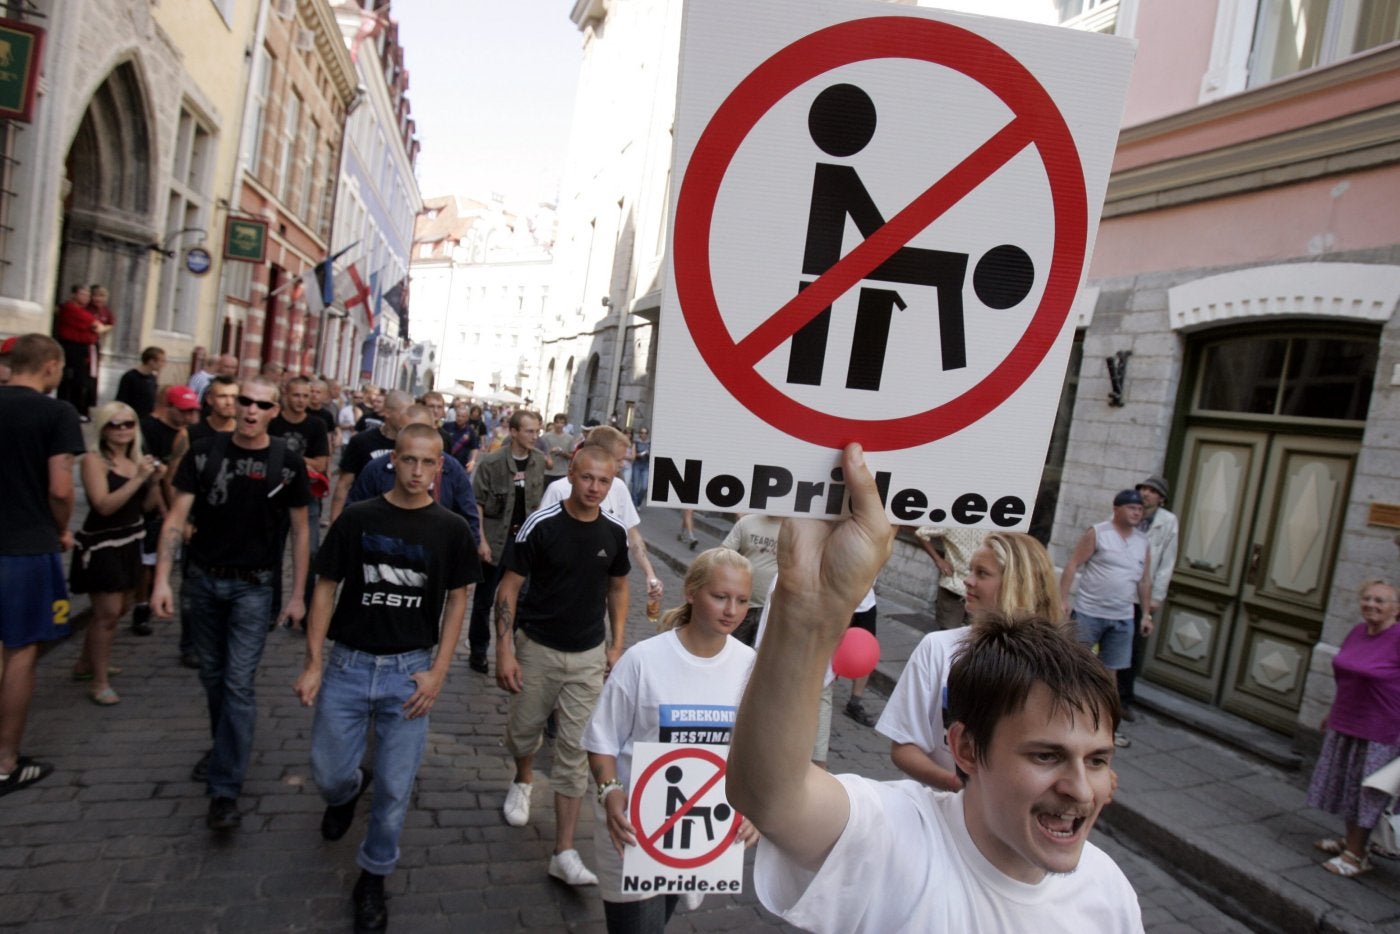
32,351
152,353
299,379
223,381
416,430
1004,657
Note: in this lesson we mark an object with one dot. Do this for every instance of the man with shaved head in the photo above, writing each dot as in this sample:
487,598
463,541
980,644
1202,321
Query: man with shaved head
369,444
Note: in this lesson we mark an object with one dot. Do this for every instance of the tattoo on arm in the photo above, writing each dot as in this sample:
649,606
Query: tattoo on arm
171,544
504,617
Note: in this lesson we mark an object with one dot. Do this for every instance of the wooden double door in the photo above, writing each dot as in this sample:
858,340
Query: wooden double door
1261,515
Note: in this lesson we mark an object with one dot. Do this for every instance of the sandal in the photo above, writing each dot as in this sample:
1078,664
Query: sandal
1332,846
26,773
105,697
87,675
1348,865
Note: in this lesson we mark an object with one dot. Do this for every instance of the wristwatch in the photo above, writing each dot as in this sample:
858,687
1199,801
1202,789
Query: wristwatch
606,787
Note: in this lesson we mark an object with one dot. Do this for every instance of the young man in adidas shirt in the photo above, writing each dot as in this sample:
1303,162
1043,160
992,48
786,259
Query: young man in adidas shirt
550,644
405,566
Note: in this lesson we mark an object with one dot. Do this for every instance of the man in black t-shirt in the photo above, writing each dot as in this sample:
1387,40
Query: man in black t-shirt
42,435
305,434
574,555
366,445
398,559
237,490
137,387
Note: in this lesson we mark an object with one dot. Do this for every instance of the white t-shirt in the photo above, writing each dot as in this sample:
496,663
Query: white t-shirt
653,695
915,711
905,862
618,502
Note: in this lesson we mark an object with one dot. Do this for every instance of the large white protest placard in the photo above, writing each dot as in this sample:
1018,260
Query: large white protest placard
881,217
686,830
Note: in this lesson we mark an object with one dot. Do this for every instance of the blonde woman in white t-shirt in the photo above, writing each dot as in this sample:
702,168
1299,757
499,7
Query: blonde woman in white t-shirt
694,663
1010,573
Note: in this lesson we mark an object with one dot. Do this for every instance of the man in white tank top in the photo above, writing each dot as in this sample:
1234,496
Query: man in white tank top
1114,573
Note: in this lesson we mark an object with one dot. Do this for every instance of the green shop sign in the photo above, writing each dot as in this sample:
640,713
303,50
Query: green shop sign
245,239
21,45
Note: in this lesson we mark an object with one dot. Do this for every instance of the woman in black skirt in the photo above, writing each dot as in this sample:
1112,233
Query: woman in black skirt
121,483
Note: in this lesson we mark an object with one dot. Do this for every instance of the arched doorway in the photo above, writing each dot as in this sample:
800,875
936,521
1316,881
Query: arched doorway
1273,421
107,227
548,407
567,402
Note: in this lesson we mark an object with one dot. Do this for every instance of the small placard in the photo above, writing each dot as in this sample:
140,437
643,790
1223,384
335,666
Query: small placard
21,45
245,239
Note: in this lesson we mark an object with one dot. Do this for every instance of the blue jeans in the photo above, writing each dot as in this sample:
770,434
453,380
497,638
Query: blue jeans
355,687
1114,638
228,623
641,475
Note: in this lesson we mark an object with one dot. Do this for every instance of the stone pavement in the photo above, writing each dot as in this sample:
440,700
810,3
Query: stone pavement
114,840
1233,828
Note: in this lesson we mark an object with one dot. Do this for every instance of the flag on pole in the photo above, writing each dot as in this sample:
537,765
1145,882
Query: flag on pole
359,294
397,299
319,282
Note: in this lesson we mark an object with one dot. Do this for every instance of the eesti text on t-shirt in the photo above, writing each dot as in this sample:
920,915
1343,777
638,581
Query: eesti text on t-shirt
397,566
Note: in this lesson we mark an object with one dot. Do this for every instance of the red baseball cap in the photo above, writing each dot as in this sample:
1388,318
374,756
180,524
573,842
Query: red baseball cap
8,345
182,398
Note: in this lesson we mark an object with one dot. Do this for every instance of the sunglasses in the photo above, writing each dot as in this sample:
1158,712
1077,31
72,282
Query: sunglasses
263,404
120,426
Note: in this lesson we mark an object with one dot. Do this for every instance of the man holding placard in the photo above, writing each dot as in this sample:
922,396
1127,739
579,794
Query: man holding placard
1032,735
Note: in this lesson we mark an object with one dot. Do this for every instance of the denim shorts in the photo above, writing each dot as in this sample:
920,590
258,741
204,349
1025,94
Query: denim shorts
1114,637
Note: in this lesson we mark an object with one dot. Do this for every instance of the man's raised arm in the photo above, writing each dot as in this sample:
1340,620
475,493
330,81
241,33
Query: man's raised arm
824,569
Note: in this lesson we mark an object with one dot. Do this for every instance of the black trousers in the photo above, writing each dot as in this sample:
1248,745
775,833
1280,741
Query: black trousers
1127,677
479,628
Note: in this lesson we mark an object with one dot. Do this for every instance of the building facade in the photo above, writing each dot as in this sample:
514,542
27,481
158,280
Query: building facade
481,280
598,351
376,205
124,167
1245,283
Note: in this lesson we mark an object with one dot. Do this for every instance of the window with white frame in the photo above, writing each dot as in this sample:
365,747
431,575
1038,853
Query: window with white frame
1089,15
291,120
1294,35
186,210
260,87
307,193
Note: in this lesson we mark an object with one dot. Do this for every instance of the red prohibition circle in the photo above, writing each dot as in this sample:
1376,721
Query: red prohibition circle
881,37
687,752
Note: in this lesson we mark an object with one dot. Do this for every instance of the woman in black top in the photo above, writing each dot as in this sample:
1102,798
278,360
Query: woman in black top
121,483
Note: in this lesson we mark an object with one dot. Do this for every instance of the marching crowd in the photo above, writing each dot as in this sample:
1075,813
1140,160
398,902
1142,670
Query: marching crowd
439,520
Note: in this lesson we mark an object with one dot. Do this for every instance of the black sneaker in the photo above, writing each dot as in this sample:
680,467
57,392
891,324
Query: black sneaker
223,814
1129,715
339,817
141,620
200,772
371,914
476,661
855,709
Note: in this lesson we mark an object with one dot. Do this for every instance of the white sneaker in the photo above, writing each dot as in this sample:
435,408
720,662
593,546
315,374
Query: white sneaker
568,867
517,809
692,900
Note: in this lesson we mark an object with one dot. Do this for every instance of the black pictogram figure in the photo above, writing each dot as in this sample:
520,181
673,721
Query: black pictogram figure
841,122
675,800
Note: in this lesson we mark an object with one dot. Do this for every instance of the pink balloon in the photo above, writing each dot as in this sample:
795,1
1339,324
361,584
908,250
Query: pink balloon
857,654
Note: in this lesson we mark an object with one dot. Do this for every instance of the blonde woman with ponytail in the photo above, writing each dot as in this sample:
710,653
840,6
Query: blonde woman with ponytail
694,664
1011,574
